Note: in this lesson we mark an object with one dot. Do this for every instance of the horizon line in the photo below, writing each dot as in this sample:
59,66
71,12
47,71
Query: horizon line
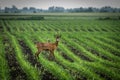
57,6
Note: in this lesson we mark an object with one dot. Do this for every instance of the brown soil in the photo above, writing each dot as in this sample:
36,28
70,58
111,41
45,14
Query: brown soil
90,30
78,53
56,29
16,72
73,72
81,55
27,51
35,29
64,55
49,29
115,38
97,53
96,29
83,30
63,30
42,29
104,30
106,77
76,29
46,75
93,51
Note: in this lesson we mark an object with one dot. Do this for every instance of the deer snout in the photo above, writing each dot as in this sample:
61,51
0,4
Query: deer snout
58,39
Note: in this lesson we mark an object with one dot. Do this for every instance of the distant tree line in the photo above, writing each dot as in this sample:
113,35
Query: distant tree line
14,9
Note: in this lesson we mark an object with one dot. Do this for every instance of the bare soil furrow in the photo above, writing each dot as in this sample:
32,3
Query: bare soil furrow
16,72
45,74
78,53
64,55
27,52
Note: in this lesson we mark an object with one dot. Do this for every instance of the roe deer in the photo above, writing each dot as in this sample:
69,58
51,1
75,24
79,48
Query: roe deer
47,46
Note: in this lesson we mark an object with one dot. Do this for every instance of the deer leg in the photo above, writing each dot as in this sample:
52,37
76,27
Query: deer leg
52,53
37,53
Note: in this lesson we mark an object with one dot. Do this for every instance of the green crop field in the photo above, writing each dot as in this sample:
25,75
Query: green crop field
89,48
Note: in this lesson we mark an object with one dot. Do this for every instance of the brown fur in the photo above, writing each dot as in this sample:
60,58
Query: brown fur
47,47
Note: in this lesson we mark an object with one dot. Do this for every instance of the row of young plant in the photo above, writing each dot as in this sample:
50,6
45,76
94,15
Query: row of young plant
87,41
15,42
102,67
82,70
51,66
78,68
31,72
79,65
62,26
100,49
110,48
107,40
88,52
4,70
68,52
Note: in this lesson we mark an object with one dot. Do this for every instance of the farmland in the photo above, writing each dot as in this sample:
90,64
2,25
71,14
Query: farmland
89,48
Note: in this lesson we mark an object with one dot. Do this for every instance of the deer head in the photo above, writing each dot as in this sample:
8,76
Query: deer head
57,36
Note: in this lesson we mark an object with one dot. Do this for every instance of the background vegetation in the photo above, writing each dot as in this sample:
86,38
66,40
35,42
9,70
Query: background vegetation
52,9
88,50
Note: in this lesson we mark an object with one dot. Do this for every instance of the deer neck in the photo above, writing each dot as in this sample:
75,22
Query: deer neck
56,43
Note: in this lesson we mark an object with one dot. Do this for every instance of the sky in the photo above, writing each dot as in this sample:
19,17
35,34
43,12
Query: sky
44,4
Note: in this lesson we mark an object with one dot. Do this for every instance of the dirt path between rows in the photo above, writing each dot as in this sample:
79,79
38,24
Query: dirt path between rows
46,75
16,72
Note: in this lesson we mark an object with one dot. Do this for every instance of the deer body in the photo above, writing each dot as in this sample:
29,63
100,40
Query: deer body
47,47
